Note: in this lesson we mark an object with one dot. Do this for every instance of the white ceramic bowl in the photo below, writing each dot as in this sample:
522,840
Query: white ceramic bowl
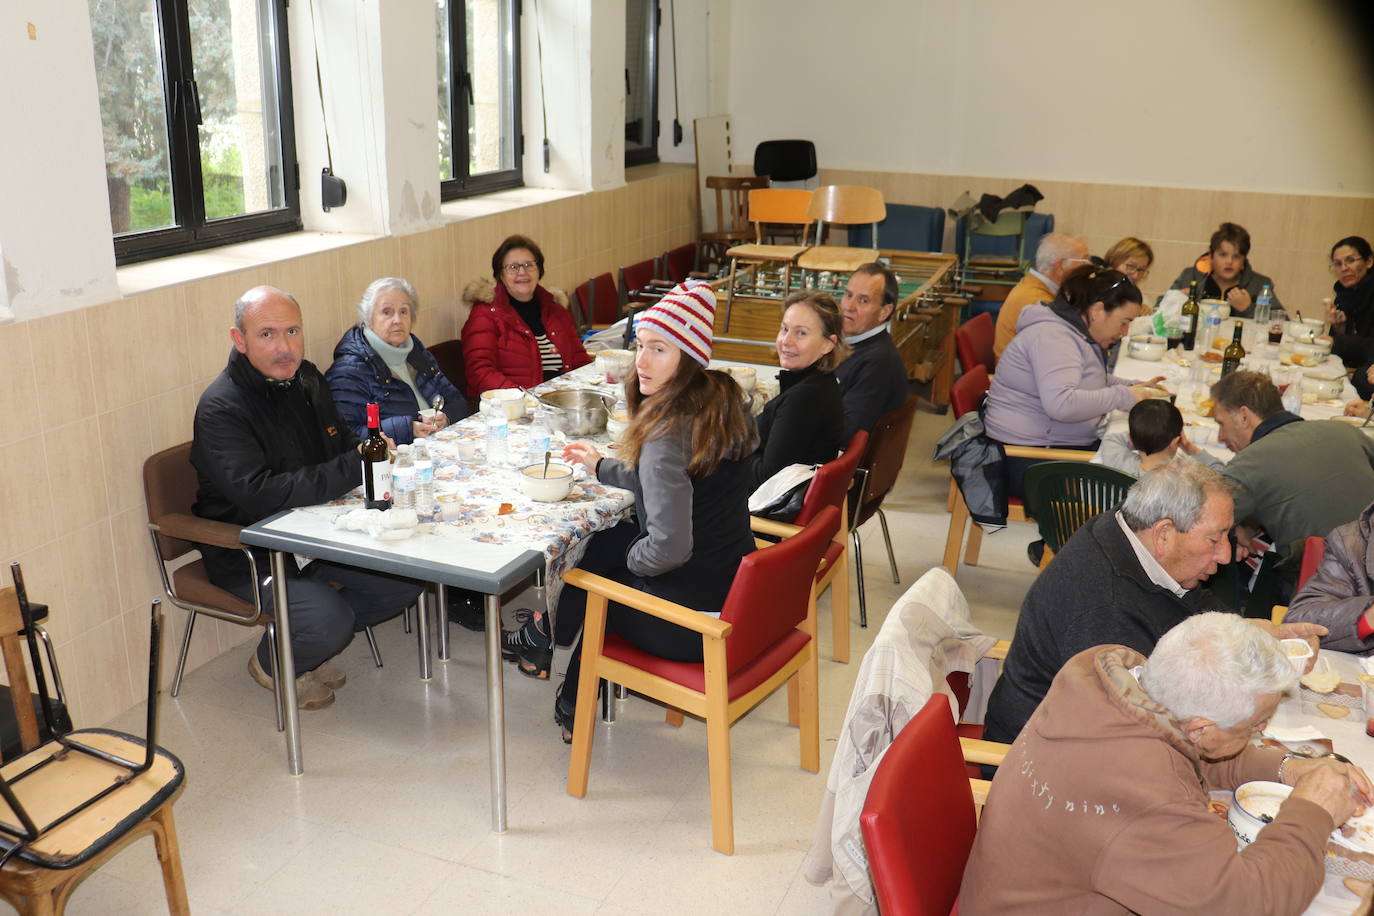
1312,350
549,489
616,423
510,400
1322,384
1147,347
1254,801
1305,330
615,364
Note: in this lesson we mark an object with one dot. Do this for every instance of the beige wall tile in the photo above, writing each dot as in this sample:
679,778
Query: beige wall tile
209,316
28,519
62,361
162,329
118,358
92,589
135,565
101,669
20,406
124,444
45,579
171,415
76,476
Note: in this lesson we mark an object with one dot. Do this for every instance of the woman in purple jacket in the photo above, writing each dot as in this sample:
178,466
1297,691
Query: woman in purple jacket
1052,388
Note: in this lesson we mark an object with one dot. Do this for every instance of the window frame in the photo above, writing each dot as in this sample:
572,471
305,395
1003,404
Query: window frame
467,185
193,232
645,155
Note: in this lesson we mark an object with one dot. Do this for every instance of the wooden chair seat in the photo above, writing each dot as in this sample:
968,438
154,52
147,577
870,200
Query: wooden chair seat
758,252
836,258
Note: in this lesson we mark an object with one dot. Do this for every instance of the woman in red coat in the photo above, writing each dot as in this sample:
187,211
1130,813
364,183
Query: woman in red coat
522,337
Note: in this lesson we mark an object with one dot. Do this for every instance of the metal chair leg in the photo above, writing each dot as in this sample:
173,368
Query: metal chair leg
859,575
276,679
52,663
891,560
185,647
608,707
372,644
441,591
406,619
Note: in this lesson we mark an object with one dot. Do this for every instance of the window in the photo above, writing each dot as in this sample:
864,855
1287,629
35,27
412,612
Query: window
641,81
480,144
195,107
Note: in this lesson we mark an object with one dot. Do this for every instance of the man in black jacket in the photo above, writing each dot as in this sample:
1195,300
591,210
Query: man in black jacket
873,376
268,437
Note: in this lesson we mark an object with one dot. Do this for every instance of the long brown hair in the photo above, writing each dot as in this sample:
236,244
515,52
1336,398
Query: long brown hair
710,401
831,321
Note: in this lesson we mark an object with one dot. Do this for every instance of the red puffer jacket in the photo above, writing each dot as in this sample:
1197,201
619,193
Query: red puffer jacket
499,349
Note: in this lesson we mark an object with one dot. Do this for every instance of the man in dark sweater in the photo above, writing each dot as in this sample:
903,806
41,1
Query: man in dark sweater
873,377
268,437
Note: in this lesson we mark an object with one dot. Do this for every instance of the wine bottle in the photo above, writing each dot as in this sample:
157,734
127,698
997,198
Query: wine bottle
1190,316
1233,354
376,463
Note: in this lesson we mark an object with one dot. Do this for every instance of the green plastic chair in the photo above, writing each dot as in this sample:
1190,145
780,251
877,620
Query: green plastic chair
1062,495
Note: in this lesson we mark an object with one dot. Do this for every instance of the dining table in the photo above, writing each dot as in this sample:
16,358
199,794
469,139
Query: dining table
486,535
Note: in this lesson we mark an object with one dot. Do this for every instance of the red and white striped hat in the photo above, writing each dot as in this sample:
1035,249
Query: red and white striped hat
685,317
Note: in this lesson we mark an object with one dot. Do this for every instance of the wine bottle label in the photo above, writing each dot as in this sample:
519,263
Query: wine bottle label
380,472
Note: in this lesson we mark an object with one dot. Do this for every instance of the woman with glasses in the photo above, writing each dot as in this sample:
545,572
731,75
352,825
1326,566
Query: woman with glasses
1351,311
1052,387
379,361
1131,256
523,336
1224,272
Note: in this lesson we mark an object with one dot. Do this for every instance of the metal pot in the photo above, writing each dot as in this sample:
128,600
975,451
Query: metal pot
579,411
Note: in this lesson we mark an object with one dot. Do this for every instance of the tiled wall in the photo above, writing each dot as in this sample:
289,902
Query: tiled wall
1291,235
89,394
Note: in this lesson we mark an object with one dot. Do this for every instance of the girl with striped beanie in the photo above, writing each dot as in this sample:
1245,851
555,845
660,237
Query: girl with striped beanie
682,455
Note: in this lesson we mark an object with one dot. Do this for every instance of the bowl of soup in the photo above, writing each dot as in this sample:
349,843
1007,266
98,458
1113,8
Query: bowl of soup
615,365
1257,804
1147,347
546,485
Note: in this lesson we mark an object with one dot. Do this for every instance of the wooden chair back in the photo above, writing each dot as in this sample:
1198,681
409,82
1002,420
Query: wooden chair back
973,342
886,455
449,355
732,203
968,389
918,842
772,591
847,204
12,649
779,206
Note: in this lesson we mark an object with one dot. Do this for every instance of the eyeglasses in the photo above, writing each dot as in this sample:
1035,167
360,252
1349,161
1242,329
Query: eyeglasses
1129,269
1347,262
521,267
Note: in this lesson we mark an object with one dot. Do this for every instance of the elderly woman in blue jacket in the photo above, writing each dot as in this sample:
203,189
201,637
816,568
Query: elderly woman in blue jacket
379,360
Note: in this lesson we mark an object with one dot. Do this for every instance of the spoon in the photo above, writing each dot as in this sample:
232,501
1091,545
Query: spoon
541,400
437,402
546,464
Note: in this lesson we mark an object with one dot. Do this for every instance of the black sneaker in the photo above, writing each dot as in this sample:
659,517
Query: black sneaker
530,646
467,609
563,712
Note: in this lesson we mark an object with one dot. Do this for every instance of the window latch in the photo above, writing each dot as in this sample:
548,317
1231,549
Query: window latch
193,97
467,84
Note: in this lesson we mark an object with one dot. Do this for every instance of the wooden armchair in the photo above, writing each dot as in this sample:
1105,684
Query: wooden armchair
765,637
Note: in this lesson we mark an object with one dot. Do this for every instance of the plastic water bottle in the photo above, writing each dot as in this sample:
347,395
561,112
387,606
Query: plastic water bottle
498,432
1292,398
540,438
1264,305
403,479
424,478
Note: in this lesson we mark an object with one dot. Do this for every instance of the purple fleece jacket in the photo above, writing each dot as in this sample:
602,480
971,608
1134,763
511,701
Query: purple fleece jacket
1051,386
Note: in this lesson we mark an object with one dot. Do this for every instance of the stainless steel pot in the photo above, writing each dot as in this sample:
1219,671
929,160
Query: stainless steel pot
579,411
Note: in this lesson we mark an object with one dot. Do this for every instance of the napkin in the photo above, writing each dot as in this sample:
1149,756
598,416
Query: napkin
392,525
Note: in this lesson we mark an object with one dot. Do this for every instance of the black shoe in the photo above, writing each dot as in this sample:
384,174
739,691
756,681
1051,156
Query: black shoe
467,609
1035,552
530,647
563,712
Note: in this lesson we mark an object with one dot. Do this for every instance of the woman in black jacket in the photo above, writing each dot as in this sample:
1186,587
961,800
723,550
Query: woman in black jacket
1351,310
804,424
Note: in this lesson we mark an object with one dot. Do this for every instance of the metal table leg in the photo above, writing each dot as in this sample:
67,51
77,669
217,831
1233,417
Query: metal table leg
441,620
286,665
496,714
422,630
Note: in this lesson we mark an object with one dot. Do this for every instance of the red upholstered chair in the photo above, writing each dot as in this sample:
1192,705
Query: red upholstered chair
765,637
964,396
973,342
830,487
597,302
680,262
918,842
1312,550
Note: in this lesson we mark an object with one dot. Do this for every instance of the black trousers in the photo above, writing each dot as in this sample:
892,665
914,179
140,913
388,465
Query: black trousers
606,557
324,618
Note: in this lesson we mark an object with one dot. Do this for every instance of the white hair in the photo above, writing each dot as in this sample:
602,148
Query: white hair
379,286
1216,665
1176,491
1056,247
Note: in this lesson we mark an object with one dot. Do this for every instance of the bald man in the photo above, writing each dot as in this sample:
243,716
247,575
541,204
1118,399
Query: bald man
268,437
1055,258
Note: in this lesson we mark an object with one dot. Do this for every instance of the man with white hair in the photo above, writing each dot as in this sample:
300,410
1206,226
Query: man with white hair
1055,258
1126,578
268,437
1102,804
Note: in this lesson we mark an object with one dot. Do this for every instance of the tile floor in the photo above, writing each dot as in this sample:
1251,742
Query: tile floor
392,813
